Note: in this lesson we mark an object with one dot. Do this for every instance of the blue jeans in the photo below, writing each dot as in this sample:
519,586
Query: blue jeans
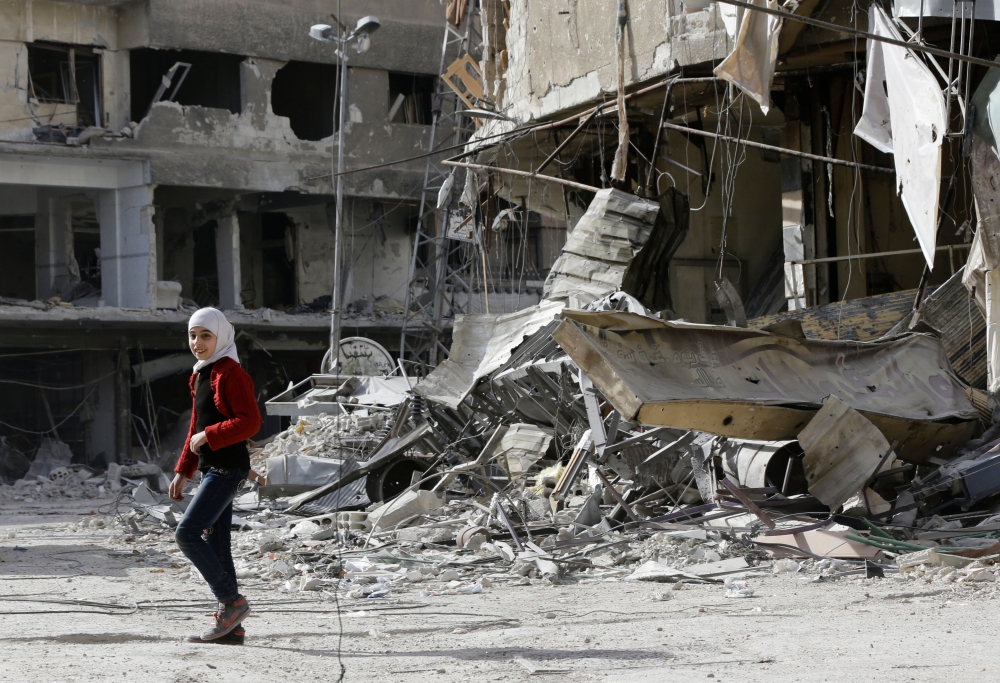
203,534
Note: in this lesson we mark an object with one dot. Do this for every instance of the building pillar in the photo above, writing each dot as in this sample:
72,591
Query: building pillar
128,246
55,263
227,254
797,230
99,433
123,405
251,261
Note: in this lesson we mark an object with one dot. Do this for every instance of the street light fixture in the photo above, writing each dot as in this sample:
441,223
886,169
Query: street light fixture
361,38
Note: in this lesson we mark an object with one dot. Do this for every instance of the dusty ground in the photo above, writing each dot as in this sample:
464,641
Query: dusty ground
791,630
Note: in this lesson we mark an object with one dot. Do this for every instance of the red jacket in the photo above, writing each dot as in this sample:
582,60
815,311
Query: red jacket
234,397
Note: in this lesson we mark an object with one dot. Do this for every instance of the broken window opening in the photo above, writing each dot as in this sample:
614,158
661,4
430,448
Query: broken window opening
17,258
87,243
410,98
212,80
305,93
63,74
205,290
277,258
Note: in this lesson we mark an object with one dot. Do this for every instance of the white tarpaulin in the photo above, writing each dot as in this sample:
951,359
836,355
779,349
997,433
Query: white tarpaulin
750,66
909,121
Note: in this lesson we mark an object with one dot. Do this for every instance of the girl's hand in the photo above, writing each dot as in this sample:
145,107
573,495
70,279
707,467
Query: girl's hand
177,487
197,441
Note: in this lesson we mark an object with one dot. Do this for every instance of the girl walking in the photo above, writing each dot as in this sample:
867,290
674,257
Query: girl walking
224,415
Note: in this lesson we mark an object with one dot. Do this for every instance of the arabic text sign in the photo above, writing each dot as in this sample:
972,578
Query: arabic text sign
360,356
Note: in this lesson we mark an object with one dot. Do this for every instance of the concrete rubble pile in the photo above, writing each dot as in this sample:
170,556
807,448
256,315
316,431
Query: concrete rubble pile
607,442
49,473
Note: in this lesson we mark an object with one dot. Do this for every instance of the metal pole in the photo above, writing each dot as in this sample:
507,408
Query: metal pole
881,254
335,303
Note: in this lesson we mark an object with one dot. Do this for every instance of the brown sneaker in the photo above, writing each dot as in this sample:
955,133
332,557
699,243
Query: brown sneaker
234,637
229,616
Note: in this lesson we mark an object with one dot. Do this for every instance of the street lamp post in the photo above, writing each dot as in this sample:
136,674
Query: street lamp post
361,37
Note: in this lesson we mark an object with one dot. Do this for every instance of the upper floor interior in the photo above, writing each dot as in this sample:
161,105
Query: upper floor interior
153,78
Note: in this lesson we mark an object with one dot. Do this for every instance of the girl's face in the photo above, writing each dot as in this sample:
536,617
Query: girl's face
202,342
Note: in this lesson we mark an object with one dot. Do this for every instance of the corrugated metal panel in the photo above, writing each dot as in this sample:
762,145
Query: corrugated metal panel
951,311
480,345
352,495
858,320
598,250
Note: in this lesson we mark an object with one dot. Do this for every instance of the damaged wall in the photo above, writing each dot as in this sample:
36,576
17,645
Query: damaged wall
372,269
264,153
56,23
409,39
562,54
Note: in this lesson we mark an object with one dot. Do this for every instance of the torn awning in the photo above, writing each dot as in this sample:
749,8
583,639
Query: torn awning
904,114
757,385
480,345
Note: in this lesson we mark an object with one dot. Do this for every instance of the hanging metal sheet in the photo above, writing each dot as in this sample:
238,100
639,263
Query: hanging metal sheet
842,449
757,385
480,345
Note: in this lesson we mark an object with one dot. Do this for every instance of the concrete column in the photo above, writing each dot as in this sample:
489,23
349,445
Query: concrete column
798,237
54,259
128,246
178,256
123,404
99,433
993,329
251,261
227,255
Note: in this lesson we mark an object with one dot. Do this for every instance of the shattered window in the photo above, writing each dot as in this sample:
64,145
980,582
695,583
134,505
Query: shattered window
410,98
60,74
306,92
193,78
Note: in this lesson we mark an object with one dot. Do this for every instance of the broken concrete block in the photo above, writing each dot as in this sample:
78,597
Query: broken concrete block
522,446
407,505
354,521
930,557
425,535
269,544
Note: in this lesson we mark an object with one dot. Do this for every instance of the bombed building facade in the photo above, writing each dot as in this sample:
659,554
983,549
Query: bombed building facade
749,162
163,155
549,294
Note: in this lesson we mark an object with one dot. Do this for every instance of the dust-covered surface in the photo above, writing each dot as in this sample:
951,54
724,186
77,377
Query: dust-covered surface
133,600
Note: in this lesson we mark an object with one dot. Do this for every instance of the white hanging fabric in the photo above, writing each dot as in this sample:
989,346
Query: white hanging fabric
904,114
750,66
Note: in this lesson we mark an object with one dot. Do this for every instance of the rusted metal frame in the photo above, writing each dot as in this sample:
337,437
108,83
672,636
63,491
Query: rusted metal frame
779,150
749,504
569,138
618,498
521,174
659,136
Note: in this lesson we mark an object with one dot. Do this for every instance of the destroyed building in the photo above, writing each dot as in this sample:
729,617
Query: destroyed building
159,156
722,269
769,316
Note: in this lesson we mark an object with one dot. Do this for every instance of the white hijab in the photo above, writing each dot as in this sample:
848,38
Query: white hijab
215,322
